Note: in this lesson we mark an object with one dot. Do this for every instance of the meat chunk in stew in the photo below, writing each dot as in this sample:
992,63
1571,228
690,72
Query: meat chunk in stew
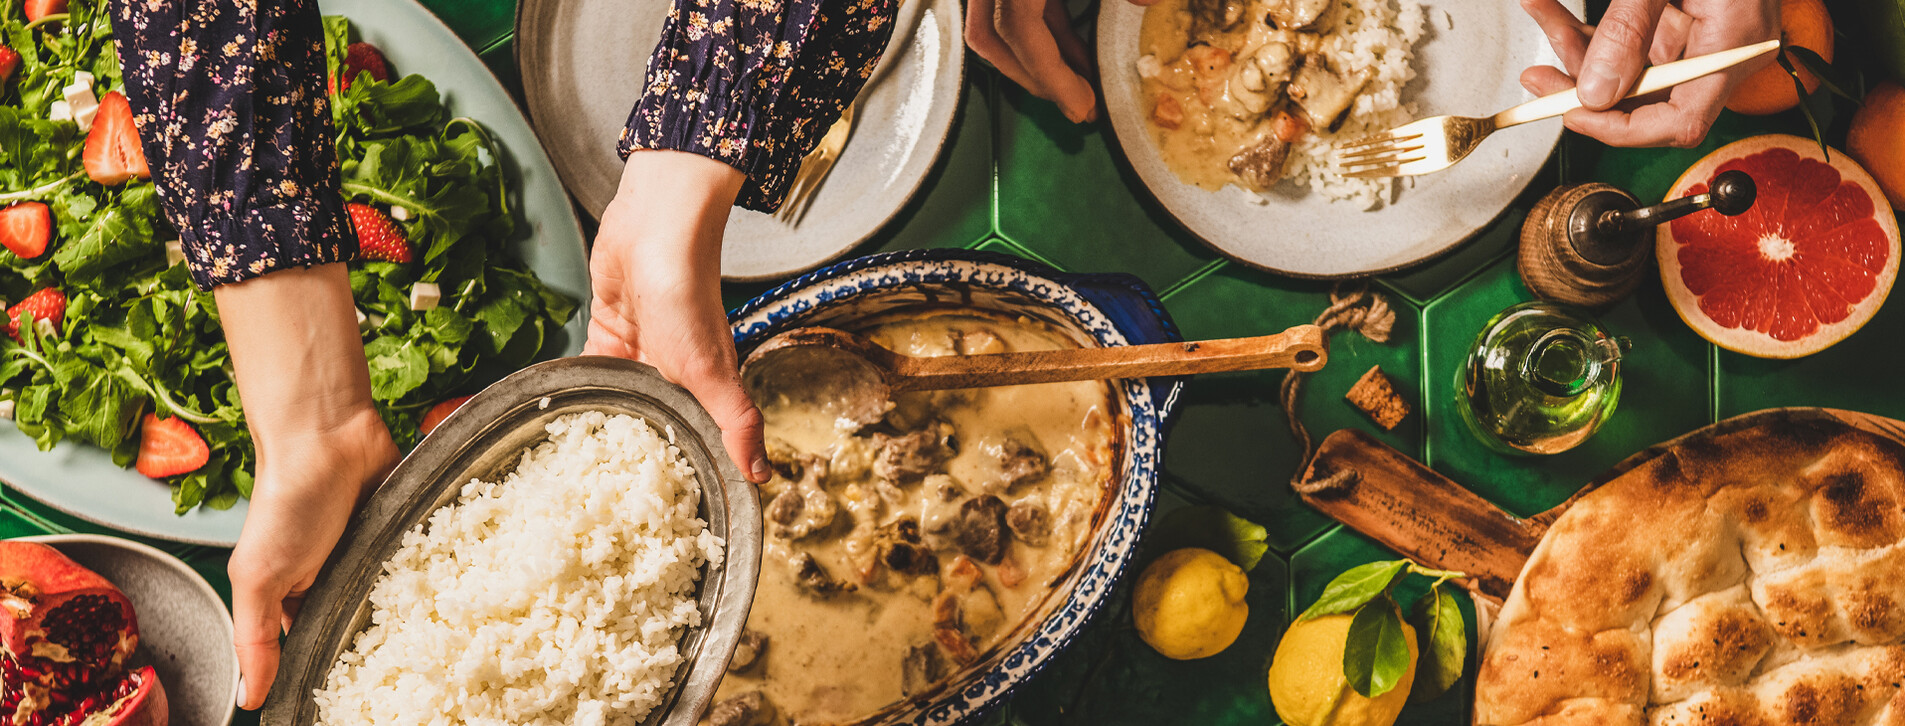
1030,522
1324,94
813,579
804,507
921,668
904,460
979,529
901,551
1019,461
748,709
750,648
965,612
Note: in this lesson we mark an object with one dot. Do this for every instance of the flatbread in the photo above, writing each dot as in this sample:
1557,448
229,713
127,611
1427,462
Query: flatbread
1754,576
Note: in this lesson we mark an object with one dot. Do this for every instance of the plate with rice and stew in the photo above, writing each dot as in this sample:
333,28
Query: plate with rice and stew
1229,110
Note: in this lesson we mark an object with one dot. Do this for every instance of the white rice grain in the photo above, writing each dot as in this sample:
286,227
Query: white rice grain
555,596
1378,36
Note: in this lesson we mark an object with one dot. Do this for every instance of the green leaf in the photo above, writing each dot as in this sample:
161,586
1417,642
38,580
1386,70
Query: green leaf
1442,641
1820,69
1213,528
396,368
1355,588
1376,655
1800,86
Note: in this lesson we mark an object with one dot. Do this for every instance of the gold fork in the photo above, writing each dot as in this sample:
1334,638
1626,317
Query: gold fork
1437,142
814,168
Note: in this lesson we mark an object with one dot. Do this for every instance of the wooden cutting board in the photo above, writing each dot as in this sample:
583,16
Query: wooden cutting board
1395,500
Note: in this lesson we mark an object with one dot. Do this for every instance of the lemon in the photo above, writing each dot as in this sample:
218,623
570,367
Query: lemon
1190,603
1307,684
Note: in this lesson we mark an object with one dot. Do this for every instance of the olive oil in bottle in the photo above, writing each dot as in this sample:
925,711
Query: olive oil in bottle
1541,378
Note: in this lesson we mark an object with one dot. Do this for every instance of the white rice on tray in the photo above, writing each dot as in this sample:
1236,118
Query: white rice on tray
1380,36
556,596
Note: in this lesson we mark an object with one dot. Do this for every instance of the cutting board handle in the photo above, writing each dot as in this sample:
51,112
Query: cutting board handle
1392,498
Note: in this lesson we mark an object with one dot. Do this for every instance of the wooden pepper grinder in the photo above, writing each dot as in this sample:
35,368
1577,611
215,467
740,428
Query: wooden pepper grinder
1588,244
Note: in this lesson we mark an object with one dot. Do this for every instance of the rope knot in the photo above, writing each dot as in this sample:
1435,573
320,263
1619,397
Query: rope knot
1354,307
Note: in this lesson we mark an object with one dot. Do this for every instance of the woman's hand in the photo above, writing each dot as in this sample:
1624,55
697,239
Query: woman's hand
1608,60
656,268
1032,43
322,448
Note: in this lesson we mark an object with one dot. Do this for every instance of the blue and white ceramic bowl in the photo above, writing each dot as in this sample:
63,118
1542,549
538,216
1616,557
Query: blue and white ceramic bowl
1094,309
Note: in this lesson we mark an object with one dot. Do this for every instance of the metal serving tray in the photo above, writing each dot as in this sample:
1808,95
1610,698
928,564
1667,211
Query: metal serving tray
484,439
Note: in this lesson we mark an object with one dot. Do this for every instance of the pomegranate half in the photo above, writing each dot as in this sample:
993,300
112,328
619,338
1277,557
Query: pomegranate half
66,636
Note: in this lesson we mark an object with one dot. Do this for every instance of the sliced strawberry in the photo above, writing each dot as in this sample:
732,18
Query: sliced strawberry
170,447
378,236
441,411
9,63
113,156
25,228
47,304
36,9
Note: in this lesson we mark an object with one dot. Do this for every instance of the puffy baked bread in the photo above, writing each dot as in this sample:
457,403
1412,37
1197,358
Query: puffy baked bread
1749,577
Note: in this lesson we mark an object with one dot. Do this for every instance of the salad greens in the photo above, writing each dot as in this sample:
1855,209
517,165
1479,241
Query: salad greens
138,337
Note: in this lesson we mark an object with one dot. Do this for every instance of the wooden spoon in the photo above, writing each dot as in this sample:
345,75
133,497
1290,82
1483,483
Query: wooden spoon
854,379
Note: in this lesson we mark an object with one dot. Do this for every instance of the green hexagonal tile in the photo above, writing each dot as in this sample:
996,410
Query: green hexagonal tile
1321,561
1109,676
1423,283
1855,374
1232,445
1066,194
1666,392
479,24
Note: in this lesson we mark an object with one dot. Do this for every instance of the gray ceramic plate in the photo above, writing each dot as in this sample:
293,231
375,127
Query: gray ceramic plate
185,632
484,439
82,481
1468,62
582,76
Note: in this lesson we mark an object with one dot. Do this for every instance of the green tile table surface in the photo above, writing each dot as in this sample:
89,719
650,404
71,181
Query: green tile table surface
1017,178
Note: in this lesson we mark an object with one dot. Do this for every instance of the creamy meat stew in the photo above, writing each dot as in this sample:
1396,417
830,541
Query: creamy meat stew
898,555
1234,85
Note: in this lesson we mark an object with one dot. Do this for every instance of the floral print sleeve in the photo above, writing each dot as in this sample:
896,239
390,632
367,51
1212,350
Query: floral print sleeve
756,83
230,102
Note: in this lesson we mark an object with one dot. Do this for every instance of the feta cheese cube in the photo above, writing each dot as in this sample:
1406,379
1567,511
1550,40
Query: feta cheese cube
61,111
376,321
399,212
6,409
82,78
363,321
174,253
425,296
79,96
85,117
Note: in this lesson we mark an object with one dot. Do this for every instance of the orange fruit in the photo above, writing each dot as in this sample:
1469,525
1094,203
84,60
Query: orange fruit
1877,139
1804,267
1803,23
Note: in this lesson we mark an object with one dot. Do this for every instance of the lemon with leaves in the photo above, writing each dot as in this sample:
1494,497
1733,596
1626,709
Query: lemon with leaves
1189,603
1307,685
1350,659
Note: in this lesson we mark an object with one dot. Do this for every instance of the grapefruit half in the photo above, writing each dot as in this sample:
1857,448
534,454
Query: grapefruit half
1805,267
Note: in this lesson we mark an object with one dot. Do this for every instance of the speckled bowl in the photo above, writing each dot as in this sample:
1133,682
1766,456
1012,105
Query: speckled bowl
185,630
1094,310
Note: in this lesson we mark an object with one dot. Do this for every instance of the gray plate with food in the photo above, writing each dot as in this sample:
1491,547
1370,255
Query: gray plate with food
581,76
571,546
1229,109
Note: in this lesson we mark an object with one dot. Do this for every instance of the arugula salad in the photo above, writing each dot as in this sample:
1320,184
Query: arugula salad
108,343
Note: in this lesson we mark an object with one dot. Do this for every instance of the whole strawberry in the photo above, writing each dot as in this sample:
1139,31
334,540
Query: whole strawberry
361,58
378,236
48,304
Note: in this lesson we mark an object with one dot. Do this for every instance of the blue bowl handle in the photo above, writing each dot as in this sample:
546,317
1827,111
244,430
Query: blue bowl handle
1137,313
